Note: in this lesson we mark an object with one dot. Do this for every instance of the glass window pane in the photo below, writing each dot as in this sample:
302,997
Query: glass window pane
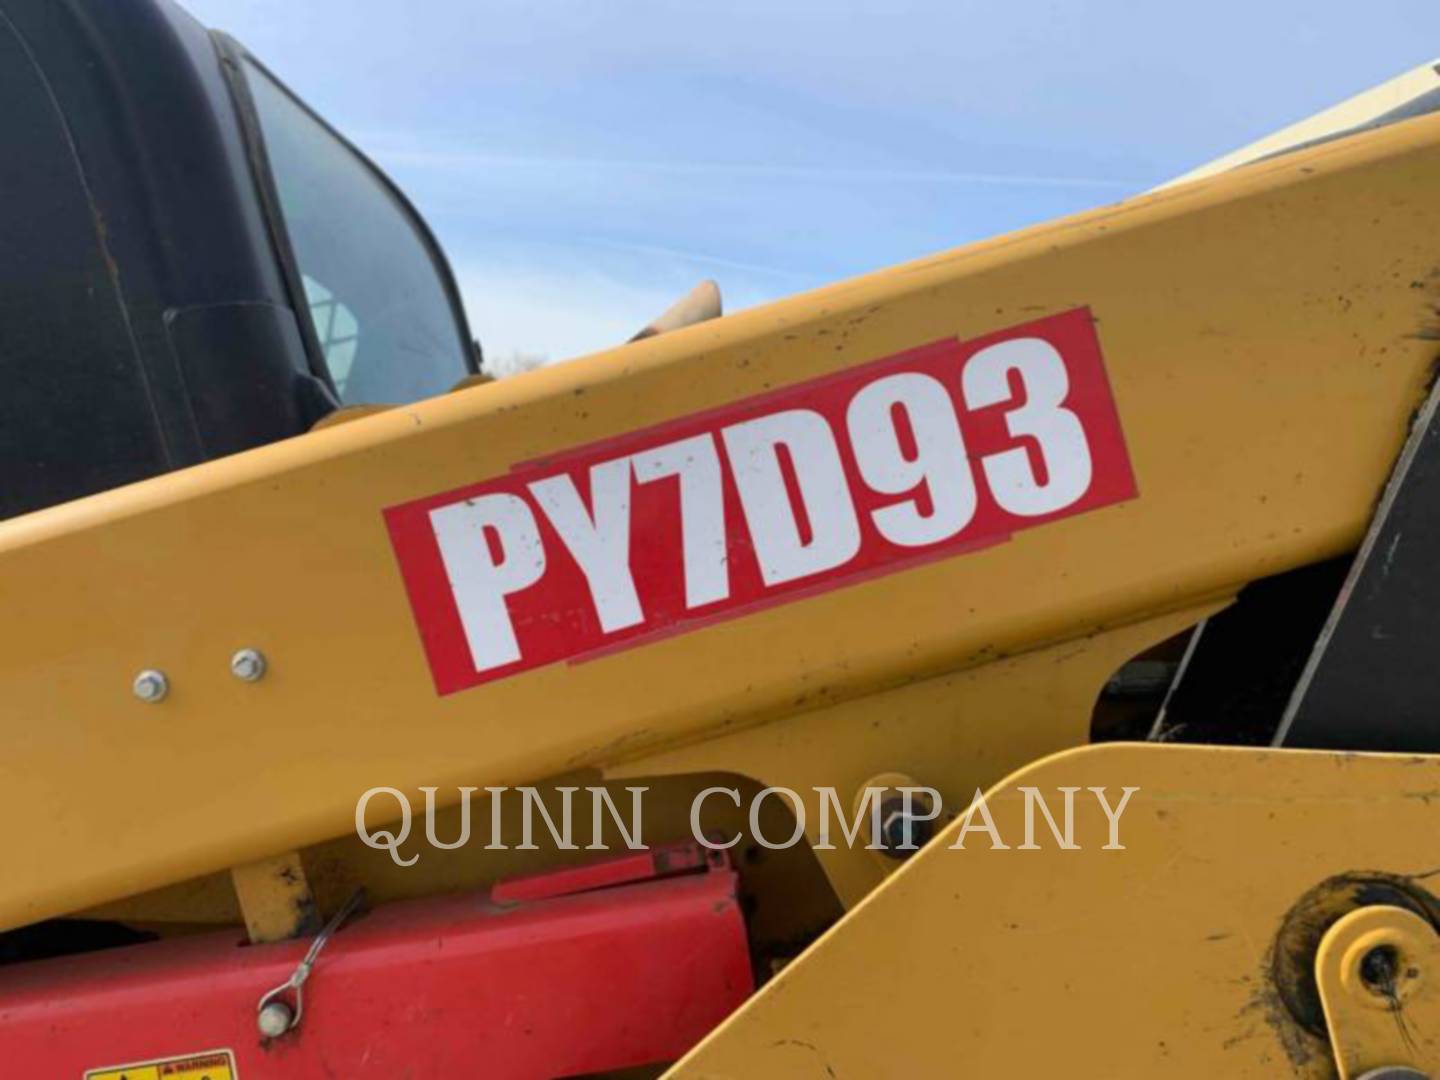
378,302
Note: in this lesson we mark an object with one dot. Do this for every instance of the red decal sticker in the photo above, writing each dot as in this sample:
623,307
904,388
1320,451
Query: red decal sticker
929,453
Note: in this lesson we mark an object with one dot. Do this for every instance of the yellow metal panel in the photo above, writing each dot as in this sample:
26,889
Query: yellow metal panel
1265,335
1386,1017
1151,961
954,733
275,898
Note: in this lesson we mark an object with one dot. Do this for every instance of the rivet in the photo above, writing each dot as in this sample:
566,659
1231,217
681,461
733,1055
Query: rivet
151,686
248,665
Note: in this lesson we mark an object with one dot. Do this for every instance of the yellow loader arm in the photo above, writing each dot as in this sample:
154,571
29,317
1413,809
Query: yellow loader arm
1221,937
1266,335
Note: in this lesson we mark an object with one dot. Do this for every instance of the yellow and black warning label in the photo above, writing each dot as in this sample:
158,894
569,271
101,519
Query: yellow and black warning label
211,1065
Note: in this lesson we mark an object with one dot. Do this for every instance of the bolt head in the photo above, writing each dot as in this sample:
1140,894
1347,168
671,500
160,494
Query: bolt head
893,830
274,1019
151,686
248,665
904,834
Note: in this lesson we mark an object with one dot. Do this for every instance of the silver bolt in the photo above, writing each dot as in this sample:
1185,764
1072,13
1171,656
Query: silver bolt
151,685
901,833
275,1019
248,665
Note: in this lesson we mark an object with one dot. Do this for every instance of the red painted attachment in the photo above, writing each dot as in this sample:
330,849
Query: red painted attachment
563,985
659,862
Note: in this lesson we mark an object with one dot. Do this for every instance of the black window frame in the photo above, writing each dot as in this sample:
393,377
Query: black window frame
233,59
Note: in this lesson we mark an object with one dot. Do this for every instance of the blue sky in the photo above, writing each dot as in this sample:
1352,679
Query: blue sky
584,163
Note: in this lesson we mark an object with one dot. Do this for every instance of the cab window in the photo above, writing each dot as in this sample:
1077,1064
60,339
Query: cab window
379,302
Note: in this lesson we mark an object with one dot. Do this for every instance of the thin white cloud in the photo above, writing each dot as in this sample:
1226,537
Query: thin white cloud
422,157
697,258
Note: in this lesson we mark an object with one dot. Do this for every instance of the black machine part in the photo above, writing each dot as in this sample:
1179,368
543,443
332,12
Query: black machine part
1373,678
152,313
